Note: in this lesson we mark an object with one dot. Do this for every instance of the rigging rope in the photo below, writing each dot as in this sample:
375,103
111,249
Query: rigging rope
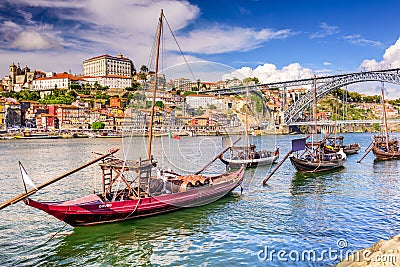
180,50
153,49
59,230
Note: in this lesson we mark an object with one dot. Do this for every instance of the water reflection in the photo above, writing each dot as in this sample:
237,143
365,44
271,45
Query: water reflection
315,183
380,165
139,242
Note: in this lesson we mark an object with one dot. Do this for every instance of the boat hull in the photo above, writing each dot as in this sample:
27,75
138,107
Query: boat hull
39,137
306,166
383,155
92,210
270,158
250,163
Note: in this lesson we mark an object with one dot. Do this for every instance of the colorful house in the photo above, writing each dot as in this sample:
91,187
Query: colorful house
2,114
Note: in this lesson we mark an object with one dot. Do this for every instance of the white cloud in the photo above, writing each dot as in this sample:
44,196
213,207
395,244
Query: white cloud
357,39
326,30
222,39
32,40
269,73
391,59
50,3
327,63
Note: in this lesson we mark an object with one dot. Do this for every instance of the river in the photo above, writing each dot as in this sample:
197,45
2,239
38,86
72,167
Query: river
312,220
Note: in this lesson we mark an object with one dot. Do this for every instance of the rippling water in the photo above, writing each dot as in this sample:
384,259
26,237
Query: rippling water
338,211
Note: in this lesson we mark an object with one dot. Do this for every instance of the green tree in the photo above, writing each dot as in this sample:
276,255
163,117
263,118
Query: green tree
96,85
199,111
212,106
97,125
159,104
144,69
189,93
75,86
72,93
251,79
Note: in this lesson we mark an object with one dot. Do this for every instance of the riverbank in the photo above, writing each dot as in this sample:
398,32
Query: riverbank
382,253
212,131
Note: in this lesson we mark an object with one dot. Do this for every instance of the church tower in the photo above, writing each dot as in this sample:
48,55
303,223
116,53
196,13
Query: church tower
13,74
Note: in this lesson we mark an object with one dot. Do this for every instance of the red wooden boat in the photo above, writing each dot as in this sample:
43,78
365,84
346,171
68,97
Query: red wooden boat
159,193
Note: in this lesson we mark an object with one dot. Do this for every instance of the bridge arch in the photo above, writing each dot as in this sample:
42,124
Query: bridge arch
294,111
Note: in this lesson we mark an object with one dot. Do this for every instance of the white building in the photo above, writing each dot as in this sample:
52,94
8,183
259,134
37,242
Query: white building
112,81
55,81
204,101
106,65
183,84
106,70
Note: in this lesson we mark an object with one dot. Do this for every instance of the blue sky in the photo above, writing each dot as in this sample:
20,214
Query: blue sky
272,40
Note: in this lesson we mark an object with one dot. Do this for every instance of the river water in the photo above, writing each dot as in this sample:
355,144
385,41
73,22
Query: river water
325,216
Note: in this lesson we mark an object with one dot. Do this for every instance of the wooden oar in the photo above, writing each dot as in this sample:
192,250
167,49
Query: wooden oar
277,167
369,145
217,156
33,191
366,153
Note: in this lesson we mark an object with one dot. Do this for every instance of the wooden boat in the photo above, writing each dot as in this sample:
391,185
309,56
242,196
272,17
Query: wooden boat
38,137
249,157
385,150
382,146
334,144
144,195
146,189
26,134
319,162
314,158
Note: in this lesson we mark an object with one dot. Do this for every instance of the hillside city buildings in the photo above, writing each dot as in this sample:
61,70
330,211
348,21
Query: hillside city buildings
116,73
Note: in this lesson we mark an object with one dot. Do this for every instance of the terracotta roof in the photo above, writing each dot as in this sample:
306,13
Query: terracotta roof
62,76
68,106
12,103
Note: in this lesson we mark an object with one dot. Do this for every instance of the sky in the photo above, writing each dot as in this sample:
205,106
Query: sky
268,39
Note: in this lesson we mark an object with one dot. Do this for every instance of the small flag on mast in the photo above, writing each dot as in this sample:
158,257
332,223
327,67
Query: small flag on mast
172,135
25,177
298,144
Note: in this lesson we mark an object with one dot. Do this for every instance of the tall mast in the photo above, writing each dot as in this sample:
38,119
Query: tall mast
315,108
160,25
385,118
247,119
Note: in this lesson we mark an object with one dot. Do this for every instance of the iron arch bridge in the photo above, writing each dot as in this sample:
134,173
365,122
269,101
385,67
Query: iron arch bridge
324,86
